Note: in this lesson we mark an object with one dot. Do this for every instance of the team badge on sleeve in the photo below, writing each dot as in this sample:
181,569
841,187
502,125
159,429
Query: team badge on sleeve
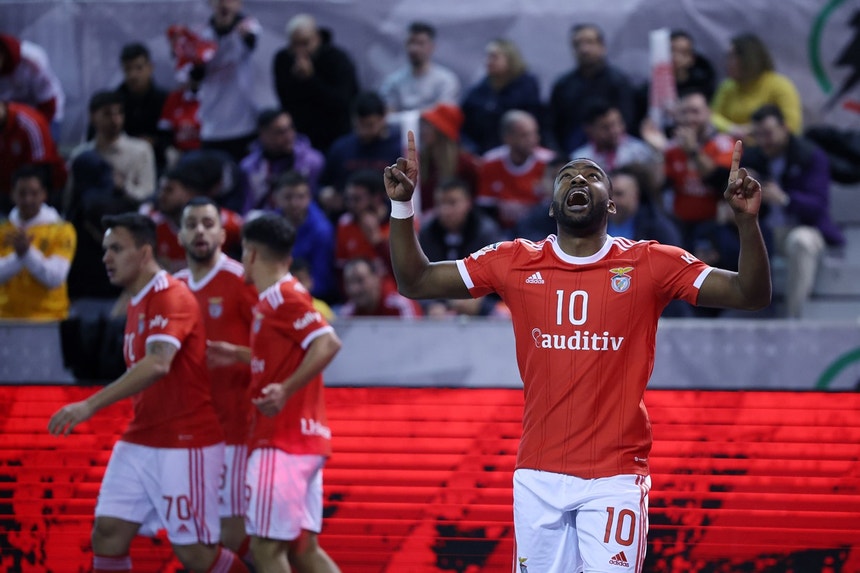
620,282
216,307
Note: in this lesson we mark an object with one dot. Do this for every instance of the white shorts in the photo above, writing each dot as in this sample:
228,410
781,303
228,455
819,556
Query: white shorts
232,491
565,524
175,489
286,494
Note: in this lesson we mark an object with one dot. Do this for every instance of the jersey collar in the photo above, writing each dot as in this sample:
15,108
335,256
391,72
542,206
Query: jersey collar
583,260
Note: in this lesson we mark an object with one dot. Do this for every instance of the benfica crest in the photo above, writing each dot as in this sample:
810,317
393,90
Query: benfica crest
620,282
141,322
258,322
216,307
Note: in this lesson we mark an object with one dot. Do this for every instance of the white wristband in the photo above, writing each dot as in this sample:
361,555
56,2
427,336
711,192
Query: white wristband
402,209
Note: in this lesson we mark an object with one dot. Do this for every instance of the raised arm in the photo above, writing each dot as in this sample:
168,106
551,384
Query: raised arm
156,363
416,277
749,288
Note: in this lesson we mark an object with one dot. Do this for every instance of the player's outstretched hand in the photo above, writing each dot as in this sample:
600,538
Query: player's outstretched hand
272,399
401,178
69,416
743,192
220,353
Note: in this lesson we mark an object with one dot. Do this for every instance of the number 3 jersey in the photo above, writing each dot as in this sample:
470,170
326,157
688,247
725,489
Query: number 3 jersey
176,410
585,329
284,326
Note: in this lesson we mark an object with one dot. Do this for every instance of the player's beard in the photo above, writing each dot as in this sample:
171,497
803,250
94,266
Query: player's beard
589,223
205,256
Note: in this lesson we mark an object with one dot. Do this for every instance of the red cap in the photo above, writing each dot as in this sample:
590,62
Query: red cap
446,117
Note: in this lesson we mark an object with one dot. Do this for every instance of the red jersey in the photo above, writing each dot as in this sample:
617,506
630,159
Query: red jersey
285,324
391,303
226,302
500,181
585,329
351,243
171,254
694,200
176,410
26,138
180,116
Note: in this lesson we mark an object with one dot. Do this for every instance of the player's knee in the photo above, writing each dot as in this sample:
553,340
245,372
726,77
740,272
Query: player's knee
232,533
197,557
304,548
109,537
267,551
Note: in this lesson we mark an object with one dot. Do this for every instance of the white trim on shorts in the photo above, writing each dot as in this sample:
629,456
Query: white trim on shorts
547,505
175,489
233,492
286,494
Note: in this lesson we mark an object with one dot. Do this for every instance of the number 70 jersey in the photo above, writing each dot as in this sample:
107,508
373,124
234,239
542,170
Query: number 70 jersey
585,329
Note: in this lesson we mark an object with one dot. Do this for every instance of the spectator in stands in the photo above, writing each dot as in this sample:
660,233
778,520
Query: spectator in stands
362,231
536,224
372,145
507,85
692,70
636,219
302,271
25,139
143,100
315,82
795,180
220,178
456,230
697,161
132,159
180,118
422,83
26,77
369,292
179,185
442,157
278,149
592,78
36,250
314,241
228,113
511,173
611,146
752,83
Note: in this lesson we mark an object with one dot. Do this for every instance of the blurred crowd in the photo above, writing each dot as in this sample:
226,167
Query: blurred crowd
488,153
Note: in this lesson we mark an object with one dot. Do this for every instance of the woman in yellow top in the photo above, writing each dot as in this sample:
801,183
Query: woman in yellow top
752,83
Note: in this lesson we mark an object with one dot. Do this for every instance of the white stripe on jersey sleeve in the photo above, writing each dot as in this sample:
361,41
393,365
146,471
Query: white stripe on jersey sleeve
464,274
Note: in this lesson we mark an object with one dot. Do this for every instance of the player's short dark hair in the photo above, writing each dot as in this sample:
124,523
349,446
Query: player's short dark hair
271,231
368,103
31,171
576,28
203,201
766,111
422,28
133,51
104,98
141,227
291,178
268,116
368,179
595,108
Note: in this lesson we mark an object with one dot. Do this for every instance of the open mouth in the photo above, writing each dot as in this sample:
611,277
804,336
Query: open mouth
578,199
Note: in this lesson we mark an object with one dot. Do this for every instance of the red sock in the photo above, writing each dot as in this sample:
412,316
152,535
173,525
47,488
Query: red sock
244,551
227,562
104,564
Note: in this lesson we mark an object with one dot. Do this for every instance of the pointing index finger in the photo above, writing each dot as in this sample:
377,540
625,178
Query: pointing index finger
736,160
411,153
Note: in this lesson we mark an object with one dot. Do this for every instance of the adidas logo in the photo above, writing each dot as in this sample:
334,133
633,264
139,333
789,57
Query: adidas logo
535,279
619,559
184,529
